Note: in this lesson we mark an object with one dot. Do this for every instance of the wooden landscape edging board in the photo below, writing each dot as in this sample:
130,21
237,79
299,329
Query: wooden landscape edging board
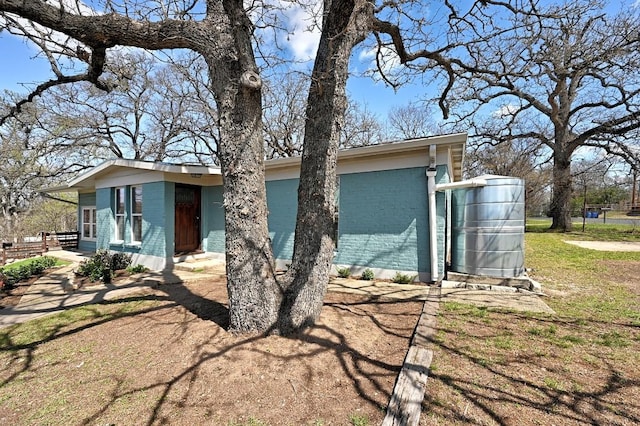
405,405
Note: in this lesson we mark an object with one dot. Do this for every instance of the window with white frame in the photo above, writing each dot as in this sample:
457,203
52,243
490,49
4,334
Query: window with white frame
88,223
136,214
120,213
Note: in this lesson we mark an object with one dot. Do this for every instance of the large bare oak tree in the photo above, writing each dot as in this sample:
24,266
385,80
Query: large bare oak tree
564,76
222,31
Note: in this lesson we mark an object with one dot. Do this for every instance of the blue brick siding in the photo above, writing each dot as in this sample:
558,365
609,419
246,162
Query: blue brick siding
213,219
157,219
282,199
383,220
104,211
282,202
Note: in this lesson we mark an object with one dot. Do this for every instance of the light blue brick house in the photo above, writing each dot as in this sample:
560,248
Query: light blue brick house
391,218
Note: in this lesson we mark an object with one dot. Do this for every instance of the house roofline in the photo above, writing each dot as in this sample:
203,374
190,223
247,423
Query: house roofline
457,141
404,146
74,184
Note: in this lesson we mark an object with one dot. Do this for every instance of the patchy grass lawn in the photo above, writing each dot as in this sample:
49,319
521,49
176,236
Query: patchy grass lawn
577,367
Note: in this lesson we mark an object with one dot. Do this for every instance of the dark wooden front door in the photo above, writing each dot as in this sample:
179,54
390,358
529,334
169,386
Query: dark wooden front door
187,218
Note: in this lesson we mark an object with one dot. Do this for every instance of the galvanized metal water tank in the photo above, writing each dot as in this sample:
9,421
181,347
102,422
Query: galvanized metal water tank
488,228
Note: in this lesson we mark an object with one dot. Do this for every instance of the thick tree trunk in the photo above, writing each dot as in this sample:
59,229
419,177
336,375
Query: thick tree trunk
561,198
254,294
258,302
307,279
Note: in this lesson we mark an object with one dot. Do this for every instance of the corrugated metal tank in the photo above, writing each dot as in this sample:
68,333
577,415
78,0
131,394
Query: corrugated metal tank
488,228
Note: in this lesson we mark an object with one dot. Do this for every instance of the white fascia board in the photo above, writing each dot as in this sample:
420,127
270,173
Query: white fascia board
61,188
412,153
122,167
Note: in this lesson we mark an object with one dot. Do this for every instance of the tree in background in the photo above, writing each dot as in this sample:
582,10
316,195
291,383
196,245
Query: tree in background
153,111
515,158
361,127
561,76
284,119
284,108
595,186
414,120
31,160
51,215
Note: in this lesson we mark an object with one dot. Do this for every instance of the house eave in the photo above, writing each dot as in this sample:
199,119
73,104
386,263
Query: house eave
86,181
454,144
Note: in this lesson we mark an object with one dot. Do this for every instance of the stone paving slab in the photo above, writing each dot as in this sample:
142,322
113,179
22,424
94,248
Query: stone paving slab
607,245
515,299
54,292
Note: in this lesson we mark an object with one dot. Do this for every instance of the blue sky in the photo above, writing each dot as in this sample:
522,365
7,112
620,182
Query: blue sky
19,65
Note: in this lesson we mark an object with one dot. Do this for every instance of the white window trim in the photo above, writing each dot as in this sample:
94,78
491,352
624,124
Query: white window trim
116,237
133,215
92,214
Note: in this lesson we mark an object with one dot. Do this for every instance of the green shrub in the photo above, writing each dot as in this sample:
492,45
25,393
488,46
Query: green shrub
120,261
102,264
344,272
367,275
25,270
41,264
137,269
97,266
400,278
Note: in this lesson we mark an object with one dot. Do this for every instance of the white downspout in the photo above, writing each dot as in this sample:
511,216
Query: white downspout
433,229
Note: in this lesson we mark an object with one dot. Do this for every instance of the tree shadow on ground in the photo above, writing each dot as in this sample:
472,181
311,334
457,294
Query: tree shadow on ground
196,356
511,368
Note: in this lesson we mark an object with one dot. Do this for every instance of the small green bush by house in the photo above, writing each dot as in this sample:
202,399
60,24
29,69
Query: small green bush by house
95,266
344,272
102,264
120,261
400,278
367,275
137,269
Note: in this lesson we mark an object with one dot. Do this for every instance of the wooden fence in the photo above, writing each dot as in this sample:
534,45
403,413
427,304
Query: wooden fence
50,241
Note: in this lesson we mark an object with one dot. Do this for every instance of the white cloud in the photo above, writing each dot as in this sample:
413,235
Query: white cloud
386,56
506,110
305,36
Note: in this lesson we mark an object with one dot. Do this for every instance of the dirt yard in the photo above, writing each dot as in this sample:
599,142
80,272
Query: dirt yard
165,358
11,297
